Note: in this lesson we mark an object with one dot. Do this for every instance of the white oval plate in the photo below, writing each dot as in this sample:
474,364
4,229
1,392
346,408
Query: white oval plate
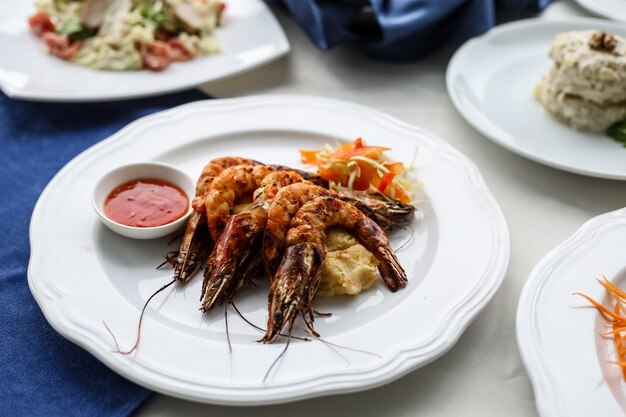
611,9
250,38
81,274
491,79
558,333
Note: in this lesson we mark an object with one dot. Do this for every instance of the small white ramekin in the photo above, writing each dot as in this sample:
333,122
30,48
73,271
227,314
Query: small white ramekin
126,173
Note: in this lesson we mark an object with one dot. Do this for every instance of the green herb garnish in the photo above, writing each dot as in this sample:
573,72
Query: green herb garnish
618,132
149,12
75,30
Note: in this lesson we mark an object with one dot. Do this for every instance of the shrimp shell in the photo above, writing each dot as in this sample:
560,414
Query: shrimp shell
298,276
231,185
316,217
196,245
237,252
284,207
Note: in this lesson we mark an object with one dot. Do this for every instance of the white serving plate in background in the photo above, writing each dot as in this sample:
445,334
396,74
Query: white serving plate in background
611,9
558,332
491,79
251,37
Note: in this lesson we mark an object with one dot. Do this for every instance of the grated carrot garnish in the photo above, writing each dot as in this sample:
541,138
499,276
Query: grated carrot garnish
612,287
361,167
615,320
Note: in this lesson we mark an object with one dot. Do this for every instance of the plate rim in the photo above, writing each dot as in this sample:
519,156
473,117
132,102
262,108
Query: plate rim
489,129
462,314
283,47
549,399
598,11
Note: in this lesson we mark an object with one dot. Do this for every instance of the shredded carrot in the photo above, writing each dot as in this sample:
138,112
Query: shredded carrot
359,167
606,313
612,288
615,319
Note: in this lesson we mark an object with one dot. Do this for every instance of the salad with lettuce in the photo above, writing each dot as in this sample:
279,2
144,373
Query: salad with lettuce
122,35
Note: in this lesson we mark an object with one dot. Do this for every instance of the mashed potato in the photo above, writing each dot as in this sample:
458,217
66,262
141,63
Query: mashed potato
586,86
349,268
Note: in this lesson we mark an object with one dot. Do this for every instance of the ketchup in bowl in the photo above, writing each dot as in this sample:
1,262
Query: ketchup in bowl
146,202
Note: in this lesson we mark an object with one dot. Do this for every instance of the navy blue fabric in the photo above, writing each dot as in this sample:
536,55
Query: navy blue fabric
41,373
399,30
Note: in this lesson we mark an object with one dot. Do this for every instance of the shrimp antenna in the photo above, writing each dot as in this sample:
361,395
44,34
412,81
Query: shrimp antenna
328,344
262,330
143,310
407,242
230,347
366,352
279,356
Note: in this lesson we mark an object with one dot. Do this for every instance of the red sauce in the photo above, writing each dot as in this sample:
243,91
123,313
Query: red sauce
146,202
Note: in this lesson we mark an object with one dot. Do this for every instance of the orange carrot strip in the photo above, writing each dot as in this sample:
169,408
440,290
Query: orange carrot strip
308,157
619,346
611,287
605,312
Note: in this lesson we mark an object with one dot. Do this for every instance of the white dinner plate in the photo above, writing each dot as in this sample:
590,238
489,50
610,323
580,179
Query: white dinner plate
611,9
558,332
250,38
82,274
491,80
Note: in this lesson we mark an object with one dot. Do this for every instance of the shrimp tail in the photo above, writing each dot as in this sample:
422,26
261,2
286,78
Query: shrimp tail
385,211
391,271
292,288
369,235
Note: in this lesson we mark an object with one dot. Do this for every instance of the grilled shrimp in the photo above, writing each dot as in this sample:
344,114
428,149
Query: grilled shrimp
293,288
196,245
387,213
236,254
286,204
234,184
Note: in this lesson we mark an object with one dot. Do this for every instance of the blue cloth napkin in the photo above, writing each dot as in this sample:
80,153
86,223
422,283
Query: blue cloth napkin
41,373
399,30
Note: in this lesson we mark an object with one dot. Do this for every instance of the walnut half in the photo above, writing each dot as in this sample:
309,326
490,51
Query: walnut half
602,41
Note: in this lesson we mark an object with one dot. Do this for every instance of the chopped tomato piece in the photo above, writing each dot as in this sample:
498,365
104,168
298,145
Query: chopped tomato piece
367,174
385,182
178,51
357,148
156,55
60,45
40,23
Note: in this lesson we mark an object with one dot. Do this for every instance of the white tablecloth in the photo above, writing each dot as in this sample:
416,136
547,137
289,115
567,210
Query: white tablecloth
482,375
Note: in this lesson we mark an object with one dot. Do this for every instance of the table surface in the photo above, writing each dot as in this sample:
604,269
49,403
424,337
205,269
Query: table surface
482,375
